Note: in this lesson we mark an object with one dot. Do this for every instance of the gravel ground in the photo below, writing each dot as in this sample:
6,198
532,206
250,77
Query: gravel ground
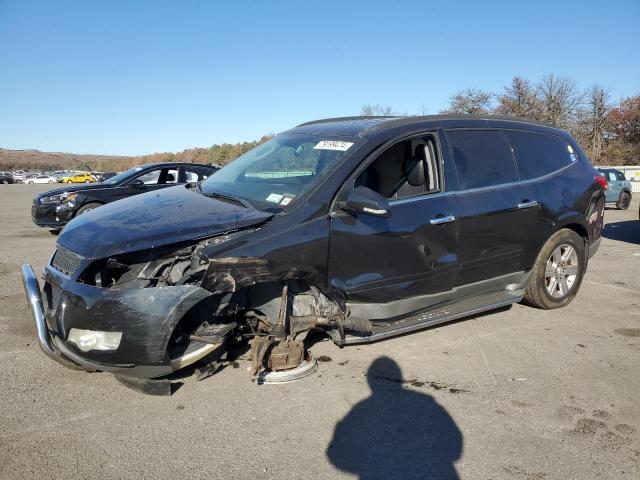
517,393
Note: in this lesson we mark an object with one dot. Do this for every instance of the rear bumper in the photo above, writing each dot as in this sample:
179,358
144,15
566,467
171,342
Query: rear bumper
144,331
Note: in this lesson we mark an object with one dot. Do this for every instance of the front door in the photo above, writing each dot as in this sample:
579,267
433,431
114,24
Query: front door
407,261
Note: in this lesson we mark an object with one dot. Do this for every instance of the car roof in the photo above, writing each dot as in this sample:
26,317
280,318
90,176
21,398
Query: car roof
363,126
171,164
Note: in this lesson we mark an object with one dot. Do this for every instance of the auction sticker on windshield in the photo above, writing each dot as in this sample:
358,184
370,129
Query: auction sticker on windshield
333,145
274,197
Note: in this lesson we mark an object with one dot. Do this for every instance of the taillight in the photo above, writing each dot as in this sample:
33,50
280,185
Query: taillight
600,180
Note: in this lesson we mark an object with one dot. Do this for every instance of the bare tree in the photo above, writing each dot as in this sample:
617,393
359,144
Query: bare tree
595,116
560,101
376,111
470,101
519,100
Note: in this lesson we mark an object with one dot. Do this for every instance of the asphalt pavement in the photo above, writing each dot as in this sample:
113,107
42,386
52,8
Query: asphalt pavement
518,393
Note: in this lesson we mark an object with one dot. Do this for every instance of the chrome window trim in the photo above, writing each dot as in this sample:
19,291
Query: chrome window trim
424,196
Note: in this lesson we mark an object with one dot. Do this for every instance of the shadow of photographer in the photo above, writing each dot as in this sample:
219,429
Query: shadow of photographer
396,432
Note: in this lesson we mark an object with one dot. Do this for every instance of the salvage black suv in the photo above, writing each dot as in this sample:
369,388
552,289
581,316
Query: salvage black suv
364,228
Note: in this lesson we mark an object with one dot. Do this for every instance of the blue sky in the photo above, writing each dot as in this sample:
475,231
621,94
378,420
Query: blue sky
135,77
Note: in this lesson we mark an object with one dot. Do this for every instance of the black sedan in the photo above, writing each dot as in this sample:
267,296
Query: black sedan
53,209
6,177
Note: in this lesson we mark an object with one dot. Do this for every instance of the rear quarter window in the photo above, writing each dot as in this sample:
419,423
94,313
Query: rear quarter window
538,154
482,158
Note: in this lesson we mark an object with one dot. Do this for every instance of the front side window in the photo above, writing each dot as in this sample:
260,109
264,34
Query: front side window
150,178
404,169
195,173
279,172
483,158
538,154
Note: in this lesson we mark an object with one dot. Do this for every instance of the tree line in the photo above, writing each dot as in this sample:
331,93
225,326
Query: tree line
608,131
219,154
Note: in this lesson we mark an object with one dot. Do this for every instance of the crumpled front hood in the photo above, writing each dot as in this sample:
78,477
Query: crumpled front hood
153,219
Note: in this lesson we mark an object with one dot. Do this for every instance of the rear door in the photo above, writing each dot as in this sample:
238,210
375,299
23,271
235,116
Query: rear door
409,255
497,214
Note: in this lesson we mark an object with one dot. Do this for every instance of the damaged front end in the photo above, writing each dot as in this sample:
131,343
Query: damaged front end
146,314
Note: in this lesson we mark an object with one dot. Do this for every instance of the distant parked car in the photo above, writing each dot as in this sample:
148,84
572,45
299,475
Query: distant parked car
6,177
619,191
40,179
53,209
79,178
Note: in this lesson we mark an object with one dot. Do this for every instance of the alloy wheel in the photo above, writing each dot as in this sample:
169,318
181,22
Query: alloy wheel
561,271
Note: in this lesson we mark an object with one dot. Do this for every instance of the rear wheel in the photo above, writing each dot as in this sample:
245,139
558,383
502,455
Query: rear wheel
624,201
558,271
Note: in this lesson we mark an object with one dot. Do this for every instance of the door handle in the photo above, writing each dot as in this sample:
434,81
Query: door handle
440,220
527,204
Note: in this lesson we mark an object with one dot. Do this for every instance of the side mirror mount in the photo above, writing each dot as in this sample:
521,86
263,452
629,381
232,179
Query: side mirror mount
366,201
137,183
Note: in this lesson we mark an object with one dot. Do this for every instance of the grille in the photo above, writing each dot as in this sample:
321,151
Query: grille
65,261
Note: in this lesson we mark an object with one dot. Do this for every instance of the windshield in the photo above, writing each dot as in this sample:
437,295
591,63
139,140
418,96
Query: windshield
278,172
122,176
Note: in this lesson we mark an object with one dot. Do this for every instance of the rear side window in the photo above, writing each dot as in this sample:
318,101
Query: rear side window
195,173
482,157
538,154
620,176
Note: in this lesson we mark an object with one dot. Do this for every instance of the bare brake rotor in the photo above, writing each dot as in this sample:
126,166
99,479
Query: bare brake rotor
279,357
307,367
280,360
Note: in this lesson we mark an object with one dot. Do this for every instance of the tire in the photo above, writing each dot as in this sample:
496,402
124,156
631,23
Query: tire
87,207
30,183
624,201
50,181
551,284
87,181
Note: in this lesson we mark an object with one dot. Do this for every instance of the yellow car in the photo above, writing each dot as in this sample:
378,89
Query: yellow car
79,178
